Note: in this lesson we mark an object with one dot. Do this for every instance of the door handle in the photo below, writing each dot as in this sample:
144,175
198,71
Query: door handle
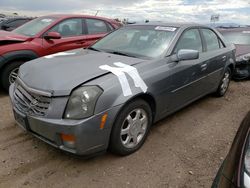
203,67
224,58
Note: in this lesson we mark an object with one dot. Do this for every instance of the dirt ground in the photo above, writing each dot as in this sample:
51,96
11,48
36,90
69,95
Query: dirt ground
183,150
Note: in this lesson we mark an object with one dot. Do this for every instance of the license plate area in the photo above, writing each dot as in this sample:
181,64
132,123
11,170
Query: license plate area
20,120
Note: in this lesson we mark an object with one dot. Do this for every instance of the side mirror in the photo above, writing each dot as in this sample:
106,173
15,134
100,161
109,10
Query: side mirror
52,35
185,54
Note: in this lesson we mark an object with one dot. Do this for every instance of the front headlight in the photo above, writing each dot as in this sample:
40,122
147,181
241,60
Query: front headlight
82,102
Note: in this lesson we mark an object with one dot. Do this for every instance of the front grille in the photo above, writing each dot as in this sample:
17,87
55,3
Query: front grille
30,103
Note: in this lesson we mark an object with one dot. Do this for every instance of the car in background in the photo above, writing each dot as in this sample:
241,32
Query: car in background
11,23
107,96
235,170
241,38
47,35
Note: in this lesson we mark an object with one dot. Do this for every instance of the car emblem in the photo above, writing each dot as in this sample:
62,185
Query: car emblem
34,102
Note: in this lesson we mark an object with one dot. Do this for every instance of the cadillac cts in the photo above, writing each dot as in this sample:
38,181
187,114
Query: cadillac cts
108,96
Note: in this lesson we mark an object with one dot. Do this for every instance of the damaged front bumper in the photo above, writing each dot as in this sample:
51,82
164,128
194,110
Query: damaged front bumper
83,137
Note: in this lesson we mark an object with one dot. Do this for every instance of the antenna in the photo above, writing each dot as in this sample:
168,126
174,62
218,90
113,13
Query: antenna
96,12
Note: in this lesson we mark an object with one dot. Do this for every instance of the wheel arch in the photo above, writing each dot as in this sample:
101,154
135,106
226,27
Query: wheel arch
231,64
21,55
147,97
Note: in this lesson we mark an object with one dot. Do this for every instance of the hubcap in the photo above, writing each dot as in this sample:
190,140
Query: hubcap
225,82
13,75
134,128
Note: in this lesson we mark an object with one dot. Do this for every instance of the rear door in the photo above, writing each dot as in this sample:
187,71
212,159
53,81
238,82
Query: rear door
218,54
96,29
73,36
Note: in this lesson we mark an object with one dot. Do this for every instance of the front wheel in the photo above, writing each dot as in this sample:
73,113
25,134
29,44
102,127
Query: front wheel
9,74
131,128
224,84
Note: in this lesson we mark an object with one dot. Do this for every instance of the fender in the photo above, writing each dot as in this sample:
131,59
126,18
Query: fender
231,64
20,54
148,97
120,100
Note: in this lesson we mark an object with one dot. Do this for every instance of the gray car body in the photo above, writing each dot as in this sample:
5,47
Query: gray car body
171,86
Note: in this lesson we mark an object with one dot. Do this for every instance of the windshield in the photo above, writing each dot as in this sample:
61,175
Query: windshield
150,42
35,26
242,37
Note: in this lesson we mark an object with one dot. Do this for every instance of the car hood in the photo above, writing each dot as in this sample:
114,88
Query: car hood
60,74
242,49
10,37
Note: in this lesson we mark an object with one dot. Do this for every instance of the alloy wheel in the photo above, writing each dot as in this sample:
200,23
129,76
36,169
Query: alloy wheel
134,128
225,82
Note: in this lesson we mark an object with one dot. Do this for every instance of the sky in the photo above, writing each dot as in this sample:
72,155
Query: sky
233,11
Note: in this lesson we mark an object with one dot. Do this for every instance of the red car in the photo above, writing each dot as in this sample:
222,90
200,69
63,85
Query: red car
47,35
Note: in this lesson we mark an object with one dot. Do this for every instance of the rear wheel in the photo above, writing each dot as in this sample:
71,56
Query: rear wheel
9,74
224,84
131,128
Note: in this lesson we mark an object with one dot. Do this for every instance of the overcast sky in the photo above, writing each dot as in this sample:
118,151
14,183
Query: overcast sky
237,11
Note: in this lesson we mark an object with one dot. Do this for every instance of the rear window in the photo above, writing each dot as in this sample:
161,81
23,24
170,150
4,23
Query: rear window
96,26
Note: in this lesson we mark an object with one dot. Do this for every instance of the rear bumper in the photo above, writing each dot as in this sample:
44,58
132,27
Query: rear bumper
89,137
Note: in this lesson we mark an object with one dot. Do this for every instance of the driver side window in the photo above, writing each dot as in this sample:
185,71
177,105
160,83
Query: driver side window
69,27
190,40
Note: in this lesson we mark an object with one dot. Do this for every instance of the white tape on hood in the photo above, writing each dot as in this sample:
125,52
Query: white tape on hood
133,73
121,77
120,73
59,54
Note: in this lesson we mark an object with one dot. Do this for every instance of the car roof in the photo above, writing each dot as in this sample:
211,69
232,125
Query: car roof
172,24
63,16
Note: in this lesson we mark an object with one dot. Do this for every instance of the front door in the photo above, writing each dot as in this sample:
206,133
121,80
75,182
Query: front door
188,77
72,33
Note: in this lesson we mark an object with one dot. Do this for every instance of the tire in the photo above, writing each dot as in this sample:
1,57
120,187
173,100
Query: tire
133,128
218,176
224,83
9,72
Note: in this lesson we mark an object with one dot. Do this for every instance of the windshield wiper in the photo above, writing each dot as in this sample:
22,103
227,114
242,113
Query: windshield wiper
91,48
122,53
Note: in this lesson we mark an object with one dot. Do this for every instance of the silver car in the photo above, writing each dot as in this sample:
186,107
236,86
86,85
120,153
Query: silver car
107,96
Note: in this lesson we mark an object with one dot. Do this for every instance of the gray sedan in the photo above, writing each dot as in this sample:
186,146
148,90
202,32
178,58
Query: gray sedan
107,97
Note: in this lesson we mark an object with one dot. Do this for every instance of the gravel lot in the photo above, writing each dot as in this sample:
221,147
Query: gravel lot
183,150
